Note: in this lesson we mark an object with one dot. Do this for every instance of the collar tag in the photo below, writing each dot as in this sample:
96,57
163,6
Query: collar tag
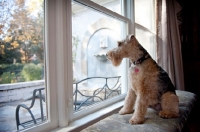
136,70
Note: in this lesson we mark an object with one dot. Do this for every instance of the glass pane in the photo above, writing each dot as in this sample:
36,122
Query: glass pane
93,34
145,13
21,64
149,43
113,5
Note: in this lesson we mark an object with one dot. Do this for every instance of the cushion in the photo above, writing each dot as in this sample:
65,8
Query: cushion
153,123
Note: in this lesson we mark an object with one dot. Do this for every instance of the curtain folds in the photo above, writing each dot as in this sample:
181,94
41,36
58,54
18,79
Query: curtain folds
169,54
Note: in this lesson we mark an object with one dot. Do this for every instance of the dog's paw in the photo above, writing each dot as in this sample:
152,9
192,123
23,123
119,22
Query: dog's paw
125,111
136,121
167,114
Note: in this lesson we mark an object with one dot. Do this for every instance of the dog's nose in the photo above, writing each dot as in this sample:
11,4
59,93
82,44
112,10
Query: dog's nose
106,54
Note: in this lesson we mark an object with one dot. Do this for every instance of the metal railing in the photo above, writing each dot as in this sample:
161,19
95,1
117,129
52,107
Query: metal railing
33,119
95,97
90,99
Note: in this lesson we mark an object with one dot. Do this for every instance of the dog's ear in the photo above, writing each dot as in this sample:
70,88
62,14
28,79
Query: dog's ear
131,37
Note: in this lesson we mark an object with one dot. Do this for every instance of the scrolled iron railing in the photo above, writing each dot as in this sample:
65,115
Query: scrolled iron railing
33,119
105,88
89,99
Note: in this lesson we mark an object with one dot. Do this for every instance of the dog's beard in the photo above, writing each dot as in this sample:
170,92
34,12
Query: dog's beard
116,60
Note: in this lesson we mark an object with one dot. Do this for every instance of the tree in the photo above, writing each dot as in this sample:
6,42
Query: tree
23,31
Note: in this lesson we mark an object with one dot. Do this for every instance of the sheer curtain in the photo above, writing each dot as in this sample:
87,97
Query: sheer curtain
168,41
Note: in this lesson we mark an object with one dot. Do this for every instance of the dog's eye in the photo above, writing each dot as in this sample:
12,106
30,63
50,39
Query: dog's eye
119,44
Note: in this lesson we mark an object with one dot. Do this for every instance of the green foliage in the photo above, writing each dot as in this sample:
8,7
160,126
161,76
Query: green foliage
21,32
10,53
16,68
21,37
8,77
32,72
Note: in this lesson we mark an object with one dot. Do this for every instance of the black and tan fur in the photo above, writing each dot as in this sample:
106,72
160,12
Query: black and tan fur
150,85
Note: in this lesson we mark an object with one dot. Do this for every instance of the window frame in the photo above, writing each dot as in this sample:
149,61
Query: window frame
58,71
95,107
51,84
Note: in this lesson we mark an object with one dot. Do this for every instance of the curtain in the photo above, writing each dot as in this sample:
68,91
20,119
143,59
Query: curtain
169,54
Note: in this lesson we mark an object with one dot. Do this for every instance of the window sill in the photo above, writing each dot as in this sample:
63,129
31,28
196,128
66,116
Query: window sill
83,122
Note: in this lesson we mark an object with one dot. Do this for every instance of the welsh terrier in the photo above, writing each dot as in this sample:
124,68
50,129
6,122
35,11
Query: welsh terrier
149,84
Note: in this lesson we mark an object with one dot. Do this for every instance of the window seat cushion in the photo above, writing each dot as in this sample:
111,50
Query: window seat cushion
153,123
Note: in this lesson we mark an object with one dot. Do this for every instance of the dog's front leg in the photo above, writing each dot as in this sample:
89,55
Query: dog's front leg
128,103
140,110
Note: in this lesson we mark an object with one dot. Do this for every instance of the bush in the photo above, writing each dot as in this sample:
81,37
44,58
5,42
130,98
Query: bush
32,72
16,68
8,77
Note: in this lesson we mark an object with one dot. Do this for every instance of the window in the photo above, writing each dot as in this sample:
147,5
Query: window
22,67
145,25
77,35
95,30
92,37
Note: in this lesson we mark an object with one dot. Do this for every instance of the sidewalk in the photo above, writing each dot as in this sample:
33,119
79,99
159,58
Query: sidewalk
7,114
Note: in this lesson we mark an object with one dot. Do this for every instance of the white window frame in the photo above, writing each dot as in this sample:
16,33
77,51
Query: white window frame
58,69
95,107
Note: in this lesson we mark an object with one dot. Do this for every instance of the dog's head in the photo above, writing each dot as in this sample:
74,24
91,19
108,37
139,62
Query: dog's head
127,48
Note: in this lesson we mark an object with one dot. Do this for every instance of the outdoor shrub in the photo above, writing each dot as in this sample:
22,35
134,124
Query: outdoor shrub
32,72
8,77
11,68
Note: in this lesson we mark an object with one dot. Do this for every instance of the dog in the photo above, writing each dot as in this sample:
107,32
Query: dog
149,84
